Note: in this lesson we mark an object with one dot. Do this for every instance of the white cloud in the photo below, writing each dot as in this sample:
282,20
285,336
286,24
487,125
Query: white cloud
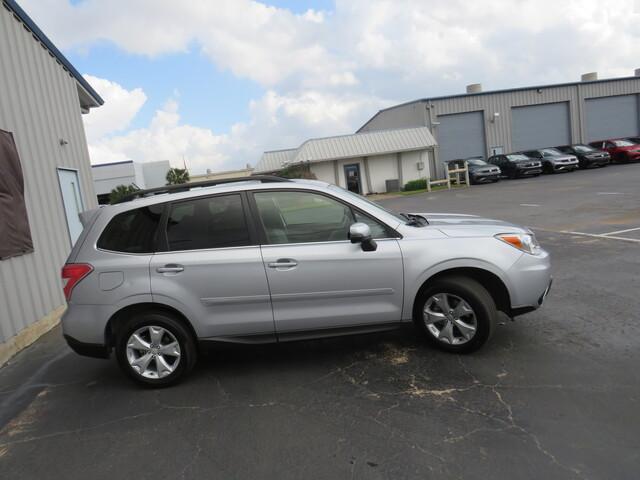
325,72
120,107
276,121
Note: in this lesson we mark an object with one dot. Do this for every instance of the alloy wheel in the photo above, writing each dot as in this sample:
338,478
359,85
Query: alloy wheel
153,352
450,319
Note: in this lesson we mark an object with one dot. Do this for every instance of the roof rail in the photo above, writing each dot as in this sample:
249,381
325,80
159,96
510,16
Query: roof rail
183,187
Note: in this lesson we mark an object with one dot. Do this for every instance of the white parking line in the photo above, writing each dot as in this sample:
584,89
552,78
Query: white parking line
610,193
597,235
622,231
529,205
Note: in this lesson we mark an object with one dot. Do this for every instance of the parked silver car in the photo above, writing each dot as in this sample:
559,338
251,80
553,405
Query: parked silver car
553,160
268,259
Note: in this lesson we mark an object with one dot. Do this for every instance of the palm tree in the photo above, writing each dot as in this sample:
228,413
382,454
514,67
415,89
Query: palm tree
120,192
176,176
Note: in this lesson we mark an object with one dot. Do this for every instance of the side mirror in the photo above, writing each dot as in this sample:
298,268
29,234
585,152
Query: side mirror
361,233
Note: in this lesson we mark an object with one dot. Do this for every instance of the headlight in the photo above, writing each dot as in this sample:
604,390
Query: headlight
522,241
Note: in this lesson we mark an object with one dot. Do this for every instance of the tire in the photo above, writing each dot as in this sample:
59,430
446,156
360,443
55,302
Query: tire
476,297
171,331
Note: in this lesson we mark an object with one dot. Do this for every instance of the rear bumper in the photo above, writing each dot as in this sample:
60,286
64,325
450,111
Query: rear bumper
94,350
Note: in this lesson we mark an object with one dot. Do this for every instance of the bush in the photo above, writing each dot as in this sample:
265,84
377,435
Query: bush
420,184
297,171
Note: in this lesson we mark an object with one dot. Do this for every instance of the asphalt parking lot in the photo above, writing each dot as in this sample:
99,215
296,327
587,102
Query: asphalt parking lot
556,394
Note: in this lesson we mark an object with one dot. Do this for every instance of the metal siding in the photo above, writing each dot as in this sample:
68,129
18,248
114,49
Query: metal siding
364,144
39,105
538,126
611,117
461,135
498,133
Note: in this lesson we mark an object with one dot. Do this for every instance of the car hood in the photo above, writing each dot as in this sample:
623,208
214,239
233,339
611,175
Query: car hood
627,149
460,225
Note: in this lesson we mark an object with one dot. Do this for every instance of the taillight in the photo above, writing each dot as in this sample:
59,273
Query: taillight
72,273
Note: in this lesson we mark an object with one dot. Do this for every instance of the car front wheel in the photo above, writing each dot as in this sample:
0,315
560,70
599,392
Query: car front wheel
155,349
456,314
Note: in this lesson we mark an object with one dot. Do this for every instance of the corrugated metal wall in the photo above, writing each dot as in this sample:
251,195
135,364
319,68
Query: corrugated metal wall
39,105
498,128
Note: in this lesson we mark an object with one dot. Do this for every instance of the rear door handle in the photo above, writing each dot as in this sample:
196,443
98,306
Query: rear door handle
170,268
283,263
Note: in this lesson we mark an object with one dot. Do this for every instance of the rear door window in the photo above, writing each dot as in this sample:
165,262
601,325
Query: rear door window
133,231
212,222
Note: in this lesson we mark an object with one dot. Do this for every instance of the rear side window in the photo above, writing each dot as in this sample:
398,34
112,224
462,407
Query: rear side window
133,231
213,222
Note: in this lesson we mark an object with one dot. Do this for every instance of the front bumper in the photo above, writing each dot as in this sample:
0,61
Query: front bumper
529,282
481,178
565,167
524,172
594,162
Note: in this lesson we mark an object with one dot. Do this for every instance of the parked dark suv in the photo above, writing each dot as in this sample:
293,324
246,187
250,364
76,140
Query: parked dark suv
515,165
587,156
553,160
479,170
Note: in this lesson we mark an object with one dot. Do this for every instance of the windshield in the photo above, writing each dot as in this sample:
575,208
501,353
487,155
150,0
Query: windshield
517,157
550,152
622,143
476,161
373,204
584,148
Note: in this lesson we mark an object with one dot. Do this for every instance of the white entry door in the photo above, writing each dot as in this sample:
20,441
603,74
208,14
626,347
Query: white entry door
72,201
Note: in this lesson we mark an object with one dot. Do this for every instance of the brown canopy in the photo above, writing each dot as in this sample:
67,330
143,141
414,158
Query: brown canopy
15,234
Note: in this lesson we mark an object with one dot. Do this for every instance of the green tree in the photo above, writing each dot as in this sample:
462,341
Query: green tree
120,192
176,176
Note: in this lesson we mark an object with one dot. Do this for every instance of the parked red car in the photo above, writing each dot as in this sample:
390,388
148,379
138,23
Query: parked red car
620,149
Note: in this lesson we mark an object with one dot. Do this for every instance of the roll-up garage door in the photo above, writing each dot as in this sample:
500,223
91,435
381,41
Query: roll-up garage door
610,117
539,126
461,135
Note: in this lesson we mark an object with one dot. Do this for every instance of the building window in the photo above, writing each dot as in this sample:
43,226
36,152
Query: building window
15,234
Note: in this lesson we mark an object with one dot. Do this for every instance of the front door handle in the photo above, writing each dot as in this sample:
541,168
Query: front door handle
170,268
283,263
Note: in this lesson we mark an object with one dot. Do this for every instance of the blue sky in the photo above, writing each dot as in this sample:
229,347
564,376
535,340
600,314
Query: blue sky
220,81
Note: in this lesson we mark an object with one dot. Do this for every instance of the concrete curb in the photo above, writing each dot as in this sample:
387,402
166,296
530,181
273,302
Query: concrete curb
30,334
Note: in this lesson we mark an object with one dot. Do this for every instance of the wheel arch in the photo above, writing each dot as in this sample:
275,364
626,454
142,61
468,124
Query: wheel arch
120,317
492,282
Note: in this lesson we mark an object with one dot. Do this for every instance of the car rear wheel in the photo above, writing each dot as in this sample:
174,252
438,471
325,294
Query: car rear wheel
456,314
155,349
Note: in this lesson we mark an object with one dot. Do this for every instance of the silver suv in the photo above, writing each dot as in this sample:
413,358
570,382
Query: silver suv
271,260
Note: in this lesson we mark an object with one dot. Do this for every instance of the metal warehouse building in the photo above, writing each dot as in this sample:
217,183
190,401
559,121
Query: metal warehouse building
484,123
45,178
370,162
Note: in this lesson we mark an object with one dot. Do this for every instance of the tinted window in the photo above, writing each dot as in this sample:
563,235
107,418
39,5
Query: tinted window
517,157
212,222
301,217
133,231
